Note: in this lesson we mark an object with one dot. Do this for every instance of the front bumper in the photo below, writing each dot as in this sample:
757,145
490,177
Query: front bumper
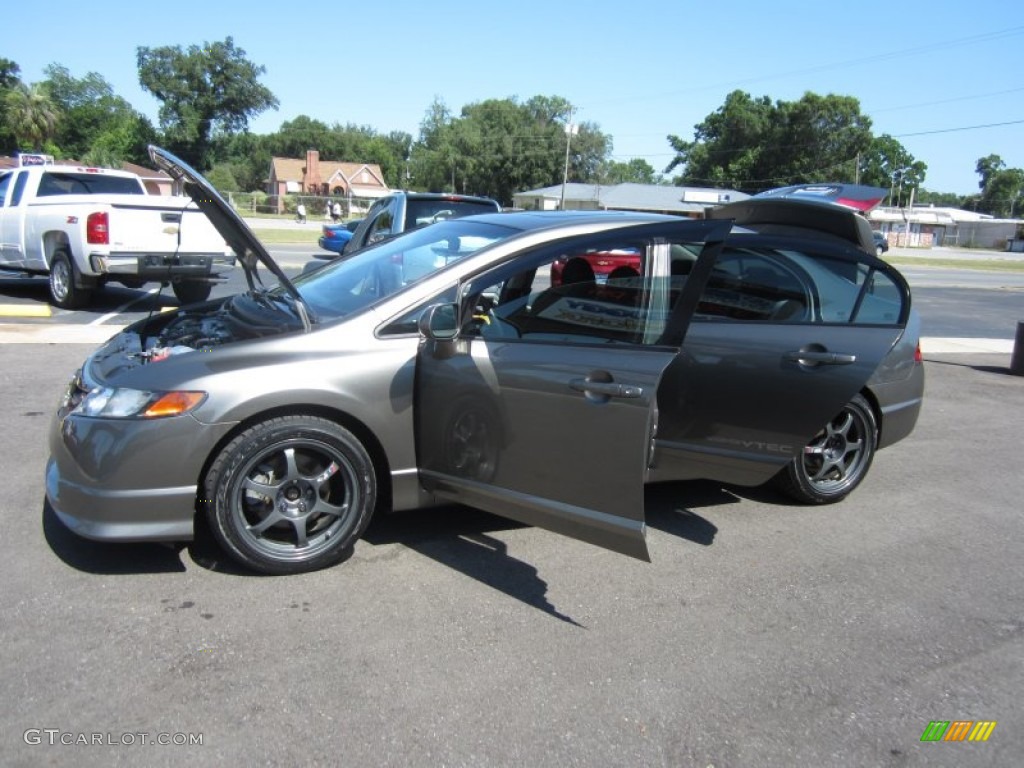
128,479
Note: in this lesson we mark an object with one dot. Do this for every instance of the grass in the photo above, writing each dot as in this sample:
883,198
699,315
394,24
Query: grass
989,265
285,236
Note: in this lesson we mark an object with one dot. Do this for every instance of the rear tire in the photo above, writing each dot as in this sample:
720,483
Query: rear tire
836,460
191,291
290,494
64,293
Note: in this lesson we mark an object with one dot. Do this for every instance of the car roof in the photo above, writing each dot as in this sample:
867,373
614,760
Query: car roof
533,220
443,196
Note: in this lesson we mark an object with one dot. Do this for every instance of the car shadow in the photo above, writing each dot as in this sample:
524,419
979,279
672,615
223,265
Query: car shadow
670,509
454,536
105,559
1001,369
458,538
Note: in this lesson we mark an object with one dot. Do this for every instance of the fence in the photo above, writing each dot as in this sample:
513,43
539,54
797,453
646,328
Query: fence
286,205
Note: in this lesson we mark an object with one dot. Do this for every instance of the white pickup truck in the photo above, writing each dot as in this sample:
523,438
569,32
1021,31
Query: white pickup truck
87,226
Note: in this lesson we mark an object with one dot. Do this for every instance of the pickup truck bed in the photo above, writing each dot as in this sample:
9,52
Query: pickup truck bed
84,227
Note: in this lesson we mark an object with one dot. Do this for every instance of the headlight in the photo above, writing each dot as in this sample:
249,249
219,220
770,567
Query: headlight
121,403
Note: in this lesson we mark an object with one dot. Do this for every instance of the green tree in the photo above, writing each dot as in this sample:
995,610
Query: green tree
754,144
886,163
943,199
95,122
247,155
500,146
31,115
434,156
203,90
637,171
9,79
1001,187
222,178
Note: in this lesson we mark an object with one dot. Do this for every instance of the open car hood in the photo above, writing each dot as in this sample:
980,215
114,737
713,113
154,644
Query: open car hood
229,224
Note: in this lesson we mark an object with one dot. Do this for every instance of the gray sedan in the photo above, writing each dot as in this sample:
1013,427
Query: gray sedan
765,343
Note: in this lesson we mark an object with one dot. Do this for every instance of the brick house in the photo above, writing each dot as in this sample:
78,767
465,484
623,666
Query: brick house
324,178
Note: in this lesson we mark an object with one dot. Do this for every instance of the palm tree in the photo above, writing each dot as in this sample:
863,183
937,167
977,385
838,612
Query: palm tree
31,115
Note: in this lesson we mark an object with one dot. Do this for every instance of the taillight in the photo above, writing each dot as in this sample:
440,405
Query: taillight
97,229
918,357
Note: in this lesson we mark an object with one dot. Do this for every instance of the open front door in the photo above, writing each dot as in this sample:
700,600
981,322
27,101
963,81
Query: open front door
542,405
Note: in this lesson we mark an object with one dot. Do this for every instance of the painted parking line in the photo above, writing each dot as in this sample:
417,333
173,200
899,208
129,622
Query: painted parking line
111,315
935,345
25,310
55,333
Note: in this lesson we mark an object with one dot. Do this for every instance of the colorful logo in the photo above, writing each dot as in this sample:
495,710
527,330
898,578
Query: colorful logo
958,730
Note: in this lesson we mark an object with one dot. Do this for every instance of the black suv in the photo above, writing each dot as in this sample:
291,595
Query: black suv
401,211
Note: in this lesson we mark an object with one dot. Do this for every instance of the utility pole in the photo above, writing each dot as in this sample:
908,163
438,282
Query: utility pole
570,129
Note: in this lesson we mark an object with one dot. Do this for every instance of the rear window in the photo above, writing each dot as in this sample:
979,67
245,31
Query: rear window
56,183
419,213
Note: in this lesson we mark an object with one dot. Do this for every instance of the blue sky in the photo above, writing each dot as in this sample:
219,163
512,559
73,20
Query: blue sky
929,73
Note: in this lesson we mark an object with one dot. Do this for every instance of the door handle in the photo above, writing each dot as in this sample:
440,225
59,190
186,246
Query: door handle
819,358
605,388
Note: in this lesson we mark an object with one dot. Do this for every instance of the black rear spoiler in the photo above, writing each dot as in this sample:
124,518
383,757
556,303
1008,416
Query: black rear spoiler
816,215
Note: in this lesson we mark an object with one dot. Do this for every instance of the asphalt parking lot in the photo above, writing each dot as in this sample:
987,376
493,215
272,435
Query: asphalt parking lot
763,634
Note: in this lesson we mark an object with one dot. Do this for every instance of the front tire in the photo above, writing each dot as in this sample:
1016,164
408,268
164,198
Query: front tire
837,459
63,291
191,291
290,495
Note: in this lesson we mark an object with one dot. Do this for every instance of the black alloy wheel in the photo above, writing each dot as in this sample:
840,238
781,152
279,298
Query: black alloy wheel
837,459
291,494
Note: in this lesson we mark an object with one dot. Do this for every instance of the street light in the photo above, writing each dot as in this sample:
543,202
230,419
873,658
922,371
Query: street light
901,172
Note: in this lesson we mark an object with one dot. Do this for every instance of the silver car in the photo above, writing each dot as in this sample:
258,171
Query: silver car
766,342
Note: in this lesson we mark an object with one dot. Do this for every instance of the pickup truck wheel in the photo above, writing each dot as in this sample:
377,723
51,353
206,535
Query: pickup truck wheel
191,291
63,291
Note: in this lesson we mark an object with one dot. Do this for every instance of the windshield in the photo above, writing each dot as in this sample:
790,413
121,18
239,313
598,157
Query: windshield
422,212
349,285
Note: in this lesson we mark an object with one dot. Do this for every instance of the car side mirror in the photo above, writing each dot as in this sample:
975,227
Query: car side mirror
376,237
439,322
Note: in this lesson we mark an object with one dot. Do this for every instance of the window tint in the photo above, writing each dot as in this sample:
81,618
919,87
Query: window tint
5,181
19,188
56,183
850,292
598,295
419,213
751,284
381,227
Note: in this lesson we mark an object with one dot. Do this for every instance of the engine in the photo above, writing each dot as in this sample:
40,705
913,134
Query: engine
196,332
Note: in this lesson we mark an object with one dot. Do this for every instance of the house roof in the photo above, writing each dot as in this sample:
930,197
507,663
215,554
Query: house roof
292,169
926,215
139,170
639,197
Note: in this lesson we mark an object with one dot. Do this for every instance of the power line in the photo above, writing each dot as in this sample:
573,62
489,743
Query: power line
915,51
963,128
